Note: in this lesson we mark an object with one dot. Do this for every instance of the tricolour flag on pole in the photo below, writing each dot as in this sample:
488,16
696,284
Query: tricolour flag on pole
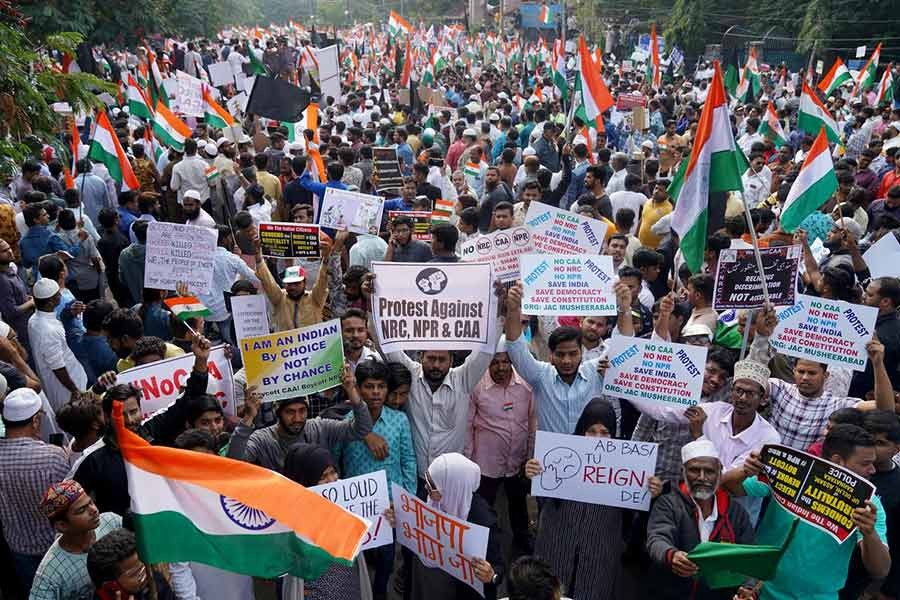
230,514
213,113
835,77
187,307
105,148
138,105
407,65
885,92
771,127
714,166
749,77
559,69
595,96
866,77
396,24
546,15
169,129
813,116
654,70
814,185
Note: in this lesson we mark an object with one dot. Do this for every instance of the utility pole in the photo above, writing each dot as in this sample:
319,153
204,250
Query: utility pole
563,25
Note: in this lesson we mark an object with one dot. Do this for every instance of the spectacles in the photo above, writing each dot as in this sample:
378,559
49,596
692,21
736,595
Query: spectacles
742,392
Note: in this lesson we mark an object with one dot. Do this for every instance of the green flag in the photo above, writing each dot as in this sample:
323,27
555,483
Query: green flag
255,64
731,80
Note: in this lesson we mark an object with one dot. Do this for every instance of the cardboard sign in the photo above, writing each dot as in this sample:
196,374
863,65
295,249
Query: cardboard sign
737,277
500,248
179,253
161,382
351,211
438,539
421,222
366,496
827,331
440,306
295,363
654,370
387,167
566,284
250,315
188,95
818,491
289,240
558,231
220,73
629,101
594,470
883,257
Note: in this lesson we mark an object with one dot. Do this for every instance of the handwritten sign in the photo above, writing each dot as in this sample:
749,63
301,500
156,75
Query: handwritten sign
366,496
595,470
421,222
558,231
177,253
818,491
438,539
289,240
188,95
500,248
351,211
295,363
826,331
251,318
561,284
737,277
434,306
654,370
161,382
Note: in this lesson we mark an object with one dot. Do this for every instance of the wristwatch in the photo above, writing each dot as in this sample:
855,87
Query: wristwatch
495,580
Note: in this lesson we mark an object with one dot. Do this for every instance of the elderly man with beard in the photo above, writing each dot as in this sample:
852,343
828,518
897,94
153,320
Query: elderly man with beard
696,511
267,447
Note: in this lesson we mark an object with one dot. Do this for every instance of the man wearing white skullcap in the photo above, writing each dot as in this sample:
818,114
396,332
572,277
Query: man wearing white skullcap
697,511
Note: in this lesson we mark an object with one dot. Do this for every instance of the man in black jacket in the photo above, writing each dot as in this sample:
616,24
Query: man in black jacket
697,511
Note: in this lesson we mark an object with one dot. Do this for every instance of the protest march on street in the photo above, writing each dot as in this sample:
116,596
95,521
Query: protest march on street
434,308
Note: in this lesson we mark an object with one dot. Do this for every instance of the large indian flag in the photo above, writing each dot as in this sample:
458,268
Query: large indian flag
559,69
771,127
213,113
595,96
813,115
654,70
191,506
138,106
866,77
169,129
396,24
814,185
105,148
714,166
836,76
749,77
885,91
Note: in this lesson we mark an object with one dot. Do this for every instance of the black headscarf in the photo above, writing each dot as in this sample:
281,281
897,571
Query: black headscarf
597,410
305,463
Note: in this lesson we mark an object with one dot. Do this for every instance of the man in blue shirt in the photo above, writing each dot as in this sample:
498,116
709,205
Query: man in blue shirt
128,211
90,346
39,240
334,171
404,152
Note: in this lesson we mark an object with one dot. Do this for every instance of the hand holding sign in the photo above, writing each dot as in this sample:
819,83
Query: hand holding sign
875,349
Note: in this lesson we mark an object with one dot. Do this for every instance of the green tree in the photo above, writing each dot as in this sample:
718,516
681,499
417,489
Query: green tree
687,26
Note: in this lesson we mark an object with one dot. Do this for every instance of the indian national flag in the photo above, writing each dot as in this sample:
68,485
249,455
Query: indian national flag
472,169
138,106
836,76
749,77
187,307
396,24
407,66
771,127
213,113
310,120
169,129
546,15
595,96
654,71
212,174
105,148
232,515
714,166
814,185
813,116
885,92
559,69
152,147
866,77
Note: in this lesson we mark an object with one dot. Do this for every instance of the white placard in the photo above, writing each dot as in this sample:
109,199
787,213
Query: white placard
566,284
860,51
366,496
220,73
826,331
236,104
500,248
558,231
329,71
596,470
251,318
188,95
179,253
351,211
883,257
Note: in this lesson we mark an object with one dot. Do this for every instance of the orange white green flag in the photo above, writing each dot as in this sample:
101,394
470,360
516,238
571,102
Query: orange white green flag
105,148
213,113
814,185
169,129
232,515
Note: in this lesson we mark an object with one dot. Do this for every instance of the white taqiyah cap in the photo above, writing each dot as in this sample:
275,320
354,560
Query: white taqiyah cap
45,288
752,371
21,404
192,194
698,449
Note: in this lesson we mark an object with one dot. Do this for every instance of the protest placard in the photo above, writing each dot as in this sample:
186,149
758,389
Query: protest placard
161,382
368,497
654,370
220,73
387,168
629,101
351,211
737,277
294,363
434,307
827,331
500,248
595,470
558,231
818,491
179,253
251,318
289,240
439,540
188,99
883,257
421,222
567,284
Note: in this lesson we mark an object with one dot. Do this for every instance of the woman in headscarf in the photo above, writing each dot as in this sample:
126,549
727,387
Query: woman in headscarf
311,465
581,541
452,481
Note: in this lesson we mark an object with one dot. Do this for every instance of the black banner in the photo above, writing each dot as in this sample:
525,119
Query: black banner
387,168
737,277
289,240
